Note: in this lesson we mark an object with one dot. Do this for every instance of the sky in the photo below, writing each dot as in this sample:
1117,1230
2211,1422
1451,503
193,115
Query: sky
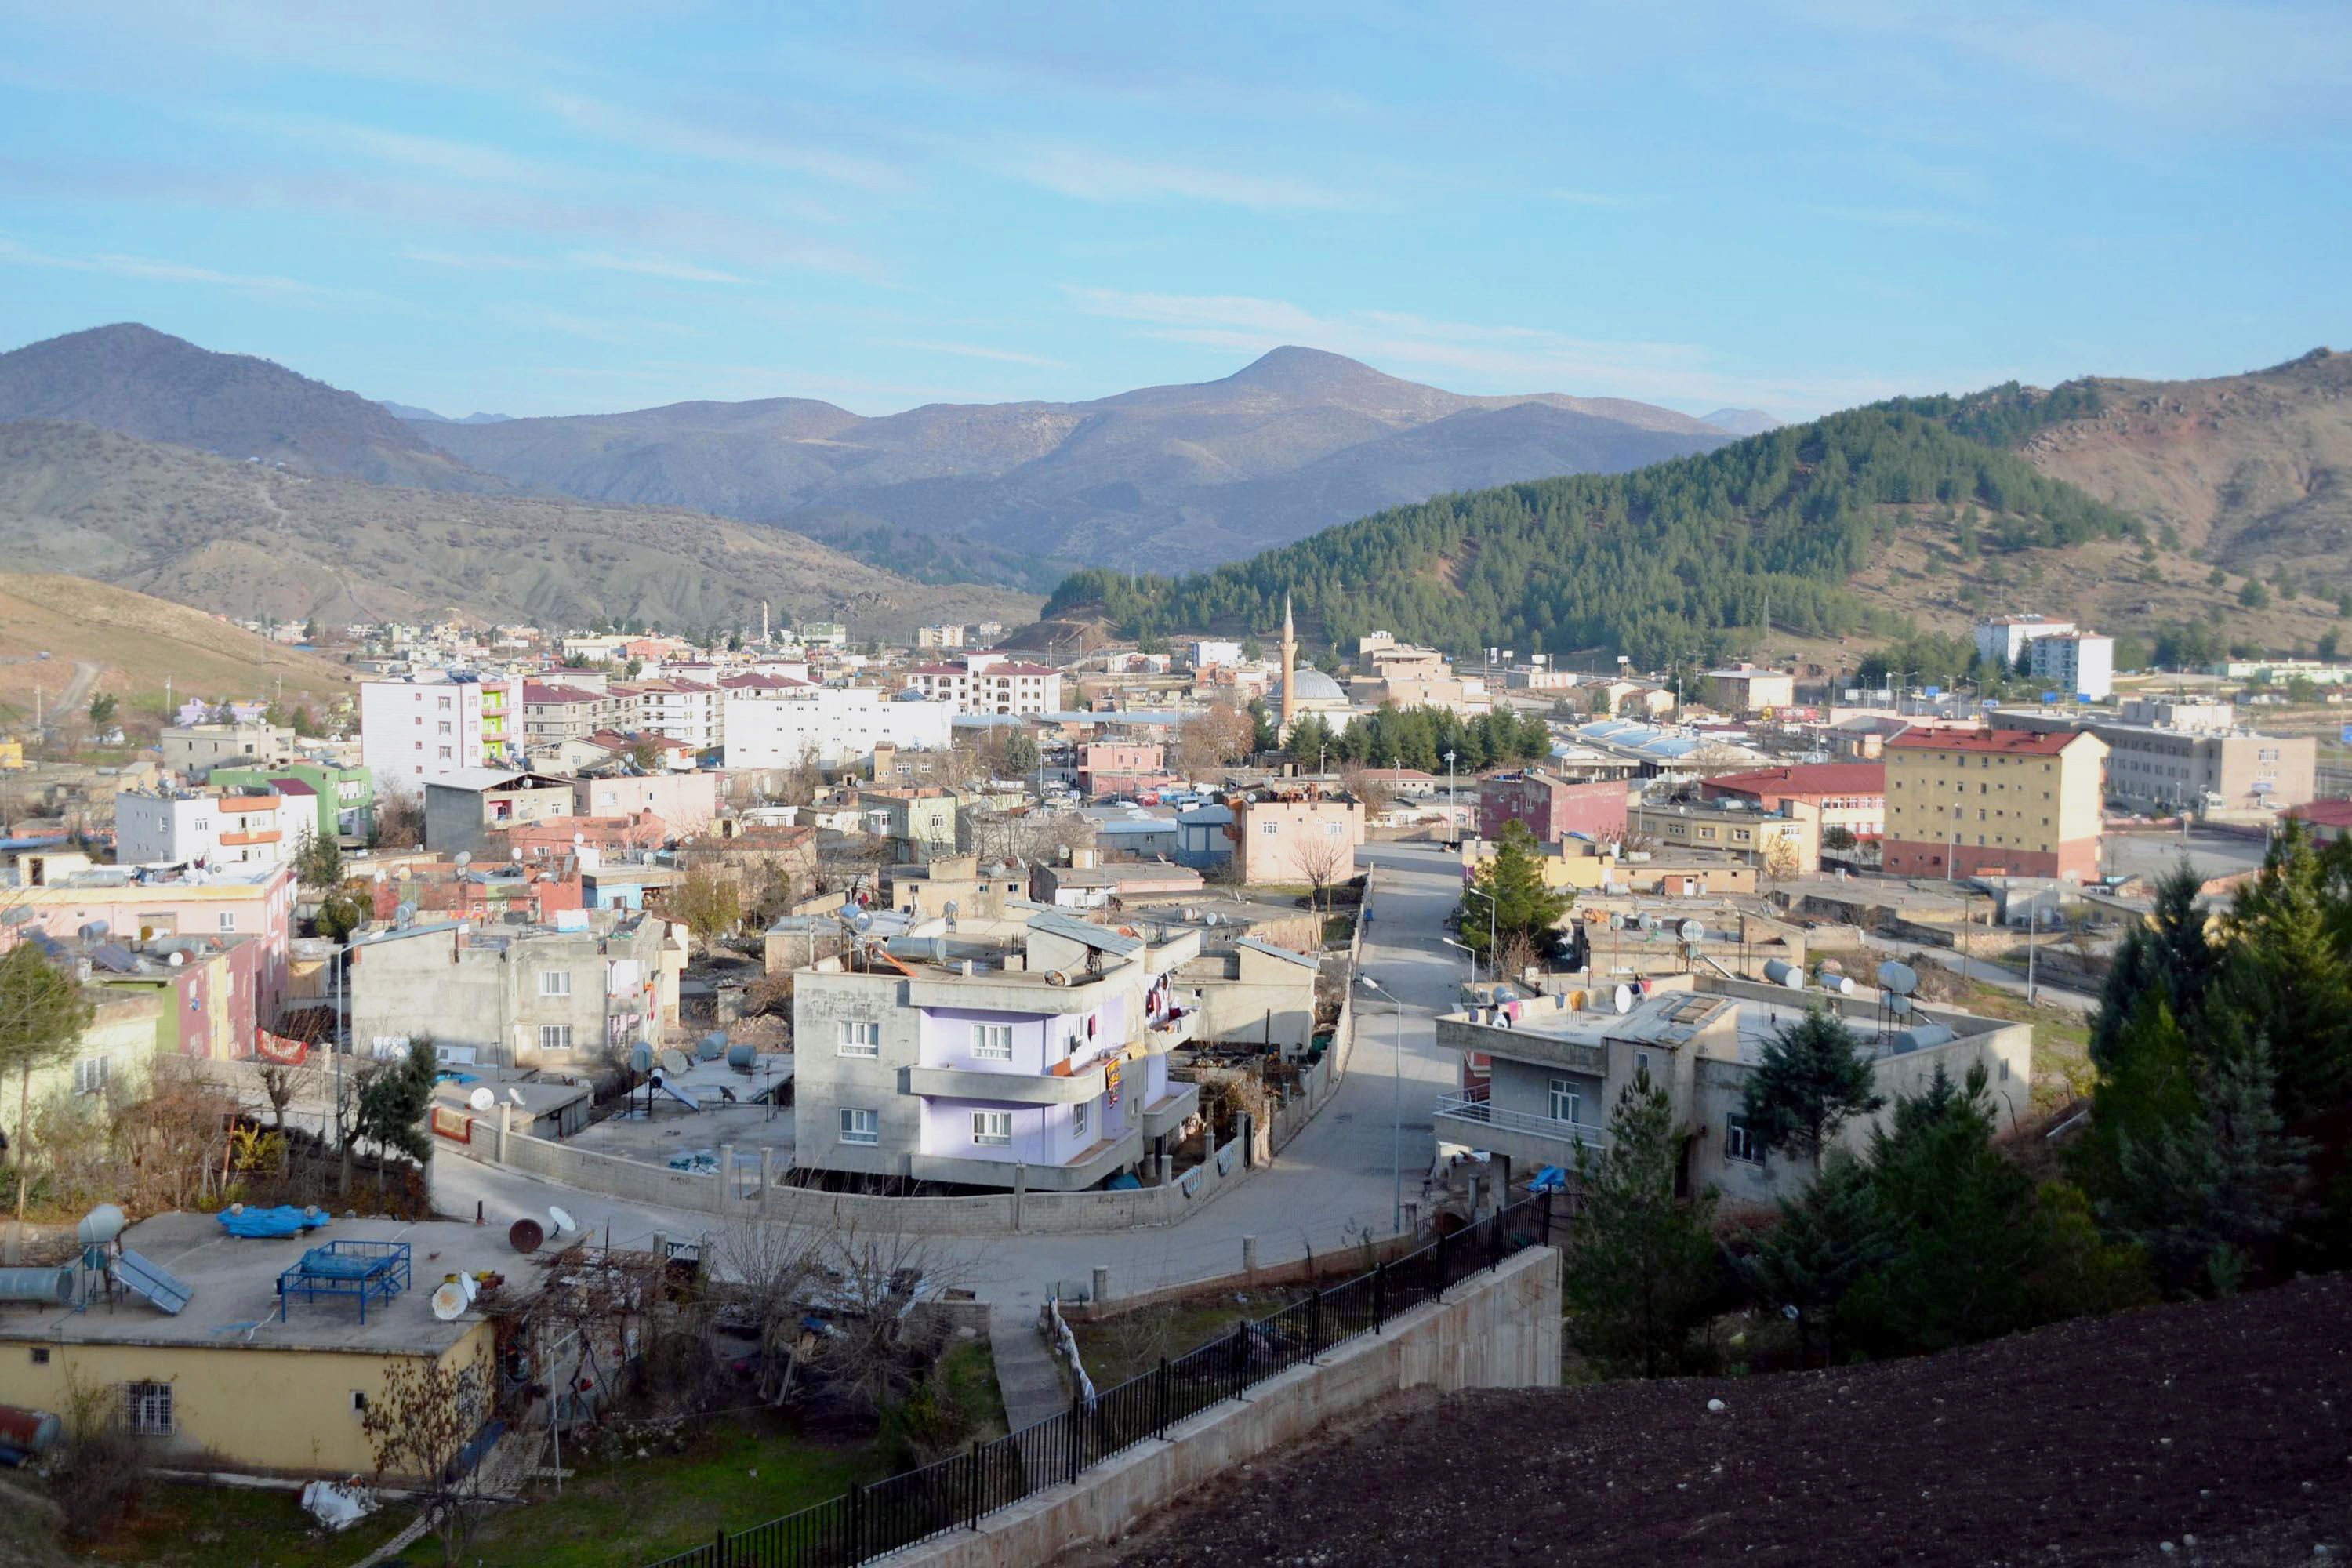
1790,205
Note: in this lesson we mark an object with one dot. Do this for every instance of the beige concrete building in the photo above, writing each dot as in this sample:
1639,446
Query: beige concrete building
1979,802
1736,826
1296,839
1744,689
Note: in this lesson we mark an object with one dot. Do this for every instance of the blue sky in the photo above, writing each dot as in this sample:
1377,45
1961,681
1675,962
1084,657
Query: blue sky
1796,204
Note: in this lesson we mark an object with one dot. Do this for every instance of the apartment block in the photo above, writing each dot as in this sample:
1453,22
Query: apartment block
1296,839
207,830
2075,663
1999,641
1852,795
1972,803
1552,808
339,801
1737,827
419,728
194,751
775,728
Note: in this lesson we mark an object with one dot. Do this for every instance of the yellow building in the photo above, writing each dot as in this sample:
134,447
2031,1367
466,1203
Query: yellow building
226,1382
12,754
1967,803
1737,829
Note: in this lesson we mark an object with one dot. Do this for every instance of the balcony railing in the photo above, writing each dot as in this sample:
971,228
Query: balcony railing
1474,1110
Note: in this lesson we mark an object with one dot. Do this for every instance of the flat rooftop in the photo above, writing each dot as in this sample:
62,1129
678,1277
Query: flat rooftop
233,1285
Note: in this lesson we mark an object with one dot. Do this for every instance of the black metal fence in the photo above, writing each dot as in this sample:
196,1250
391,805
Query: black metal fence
870,1522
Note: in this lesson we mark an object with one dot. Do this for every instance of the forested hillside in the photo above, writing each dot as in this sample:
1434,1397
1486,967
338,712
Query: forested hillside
1670,561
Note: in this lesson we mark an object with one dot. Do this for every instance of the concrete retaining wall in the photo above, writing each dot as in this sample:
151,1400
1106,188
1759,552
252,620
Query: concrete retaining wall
1497,1330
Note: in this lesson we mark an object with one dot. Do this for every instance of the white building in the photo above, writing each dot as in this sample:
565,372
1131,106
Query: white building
2000,641
1210,654
216,829
947,683
776,728
1009,687
939,636
2074,663
420,727
684,710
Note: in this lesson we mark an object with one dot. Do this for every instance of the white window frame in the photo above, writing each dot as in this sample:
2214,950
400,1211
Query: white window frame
860,1126
1740,1141
1078,1119
91,1073
859,1037
147,1409
228,923
555,982
991,1042
555,1037
991,1129
1565,1090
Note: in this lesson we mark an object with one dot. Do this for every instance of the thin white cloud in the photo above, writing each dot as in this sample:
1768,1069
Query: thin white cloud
1930,218
467,161
716,143
1088,175
1585,198
622,330
969,350
464,261
149,270
651,267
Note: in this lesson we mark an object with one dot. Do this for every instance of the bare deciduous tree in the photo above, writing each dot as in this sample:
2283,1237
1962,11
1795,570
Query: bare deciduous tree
415,1427
1324,859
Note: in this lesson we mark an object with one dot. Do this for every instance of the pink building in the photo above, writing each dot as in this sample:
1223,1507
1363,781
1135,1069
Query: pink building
685,802
1552,808
67,895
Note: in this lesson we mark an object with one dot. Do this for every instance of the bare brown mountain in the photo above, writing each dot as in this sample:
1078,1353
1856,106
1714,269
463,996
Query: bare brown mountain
2252,472
244,539
1164,477
157,387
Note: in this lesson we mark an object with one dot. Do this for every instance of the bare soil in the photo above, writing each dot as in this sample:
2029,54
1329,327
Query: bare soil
2224,1429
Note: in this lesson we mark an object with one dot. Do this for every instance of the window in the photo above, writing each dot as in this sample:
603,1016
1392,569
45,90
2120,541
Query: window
1740,1141
228,921
1078,1119
555,982
555,1037
860,1040
991,1042
1567,1105
861,1126
147,1409
40,1355
1270,828
992,1129
90,1075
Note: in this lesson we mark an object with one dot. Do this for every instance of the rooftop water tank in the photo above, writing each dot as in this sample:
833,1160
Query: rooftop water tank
1919,1037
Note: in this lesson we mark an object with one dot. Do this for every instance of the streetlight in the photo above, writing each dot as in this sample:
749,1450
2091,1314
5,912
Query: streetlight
1494,908
1396,1098
1464,947
1453,808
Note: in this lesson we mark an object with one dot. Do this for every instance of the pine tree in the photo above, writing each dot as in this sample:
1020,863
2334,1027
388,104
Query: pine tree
1828,1238
1522,905
392,1103
2204,1195
42,1013
1813,1078
2171,955
2289,978
2146,1087
1641,1264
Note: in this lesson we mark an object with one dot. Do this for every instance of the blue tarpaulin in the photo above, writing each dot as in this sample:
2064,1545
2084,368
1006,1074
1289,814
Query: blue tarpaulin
1551,1179
284,1220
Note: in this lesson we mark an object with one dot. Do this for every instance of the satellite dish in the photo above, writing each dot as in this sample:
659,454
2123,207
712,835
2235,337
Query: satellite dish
949,909
578,839
524,1236
18,916
1691,931
481,1100
1900,979
1622,998
564,1224
449,1302
515,853
471,1286
379,875
515,1095
463,859
676,1061
1616,922
1650,924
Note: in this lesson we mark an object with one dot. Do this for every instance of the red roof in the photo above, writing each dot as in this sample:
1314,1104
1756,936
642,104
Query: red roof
937,670
534,692
1017,669
2011,743
2326,813
760,682
1815,778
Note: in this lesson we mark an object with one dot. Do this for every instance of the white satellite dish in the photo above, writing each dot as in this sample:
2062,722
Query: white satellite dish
463,859
1616,922
1899,978
515,1095
1622,998
1649,922
515,853
564,1224
481,1100
449,1302
1691,931
471,1286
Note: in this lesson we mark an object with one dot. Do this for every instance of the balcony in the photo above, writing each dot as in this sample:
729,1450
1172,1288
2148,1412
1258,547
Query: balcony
259,835
1469,1118
1173,1028
1170,1111
1091,1166
1009,1088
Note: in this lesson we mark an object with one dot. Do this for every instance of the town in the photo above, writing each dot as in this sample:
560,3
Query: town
567,1033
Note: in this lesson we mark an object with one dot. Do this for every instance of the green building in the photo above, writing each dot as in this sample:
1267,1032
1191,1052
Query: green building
346,797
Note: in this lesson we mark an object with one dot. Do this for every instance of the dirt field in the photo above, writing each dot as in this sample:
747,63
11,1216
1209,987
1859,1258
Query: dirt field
2223,1428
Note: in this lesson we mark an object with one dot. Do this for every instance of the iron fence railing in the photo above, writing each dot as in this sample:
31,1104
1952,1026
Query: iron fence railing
956,1493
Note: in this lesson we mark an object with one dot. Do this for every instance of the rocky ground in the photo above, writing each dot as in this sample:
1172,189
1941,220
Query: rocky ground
2217,1432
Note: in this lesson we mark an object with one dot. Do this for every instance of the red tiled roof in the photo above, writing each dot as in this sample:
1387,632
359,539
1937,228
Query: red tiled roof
1018,670
2012,743
1813,778
760,682
937,670
534,692
2326,813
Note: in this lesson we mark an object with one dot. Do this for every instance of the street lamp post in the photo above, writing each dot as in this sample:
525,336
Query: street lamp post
1494,907
1396,1098
1453,807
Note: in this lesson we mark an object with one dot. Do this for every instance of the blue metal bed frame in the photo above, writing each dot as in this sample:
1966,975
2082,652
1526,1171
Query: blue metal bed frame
370,1270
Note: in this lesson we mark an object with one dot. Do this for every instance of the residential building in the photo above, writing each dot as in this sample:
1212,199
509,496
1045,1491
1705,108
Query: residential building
1551,807
535,889
1975,803
939,636
67,895
1558,1063
918,822
1667,872
1744,689
419,727
1015,688
1044,1065
2074,663
339,801
947,683
1611,699
687,711
2002,640
2328,820
554,712
576,992
466,805
1296,839
1256,990
1120,767
685,802
1852,795
1087,883
1786,842
838,725
2155,769
1214,653
209,830
192,751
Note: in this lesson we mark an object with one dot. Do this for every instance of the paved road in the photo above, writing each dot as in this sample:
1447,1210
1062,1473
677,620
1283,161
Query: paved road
1333,1184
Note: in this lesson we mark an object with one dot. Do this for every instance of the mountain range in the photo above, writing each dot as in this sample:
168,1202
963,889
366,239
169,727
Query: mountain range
1161,477
427,416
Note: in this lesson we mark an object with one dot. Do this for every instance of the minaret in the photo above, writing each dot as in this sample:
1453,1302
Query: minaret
1289,668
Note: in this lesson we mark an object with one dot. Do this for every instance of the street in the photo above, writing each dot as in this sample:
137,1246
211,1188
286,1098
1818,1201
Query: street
1332,1186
